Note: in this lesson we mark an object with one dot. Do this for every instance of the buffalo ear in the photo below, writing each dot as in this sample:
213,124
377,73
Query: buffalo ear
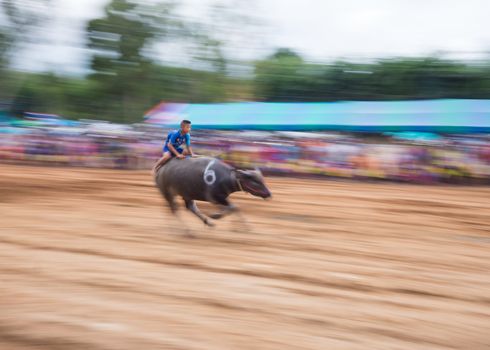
242,173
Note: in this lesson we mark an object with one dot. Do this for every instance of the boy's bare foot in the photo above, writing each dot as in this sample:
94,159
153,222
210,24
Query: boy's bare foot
154,170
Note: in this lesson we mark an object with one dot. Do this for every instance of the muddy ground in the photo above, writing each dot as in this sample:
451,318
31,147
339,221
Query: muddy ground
91,259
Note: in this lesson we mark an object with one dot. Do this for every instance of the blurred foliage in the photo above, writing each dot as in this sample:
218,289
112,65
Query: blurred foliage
121,73
285,76
125,80
77,98
18,18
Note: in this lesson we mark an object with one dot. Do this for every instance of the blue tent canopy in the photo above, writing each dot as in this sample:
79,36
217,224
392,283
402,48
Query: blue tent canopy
4,117
462,116
49,119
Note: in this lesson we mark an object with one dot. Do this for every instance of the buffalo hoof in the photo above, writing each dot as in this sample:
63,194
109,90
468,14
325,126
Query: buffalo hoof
216,216
189,234
209,223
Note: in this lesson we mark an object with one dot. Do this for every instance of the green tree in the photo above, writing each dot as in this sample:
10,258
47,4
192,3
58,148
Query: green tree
279,76
119,65
17,21
285,76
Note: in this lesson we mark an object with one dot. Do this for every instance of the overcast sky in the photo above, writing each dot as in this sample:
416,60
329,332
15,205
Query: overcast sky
320,30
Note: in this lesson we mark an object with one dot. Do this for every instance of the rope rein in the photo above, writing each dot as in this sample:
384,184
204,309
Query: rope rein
239,184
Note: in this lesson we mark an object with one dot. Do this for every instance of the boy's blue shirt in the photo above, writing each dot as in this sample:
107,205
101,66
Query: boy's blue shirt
177,140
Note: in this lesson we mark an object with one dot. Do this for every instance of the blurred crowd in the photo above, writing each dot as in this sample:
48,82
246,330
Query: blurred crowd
411,157
449,159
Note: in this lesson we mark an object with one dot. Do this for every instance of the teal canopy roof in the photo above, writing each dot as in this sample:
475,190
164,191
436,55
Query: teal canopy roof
4,117
428,115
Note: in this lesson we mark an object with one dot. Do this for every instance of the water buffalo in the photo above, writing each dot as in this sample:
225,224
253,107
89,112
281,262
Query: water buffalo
207,179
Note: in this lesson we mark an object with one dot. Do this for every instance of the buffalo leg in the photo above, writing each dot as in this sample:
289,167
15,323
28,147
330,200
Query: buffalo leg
240,219
227,210
191,205
170,198
230,208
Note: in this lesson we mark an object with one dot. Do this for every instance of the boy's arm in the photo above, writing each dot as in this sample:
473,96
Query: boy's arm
188,144
170,145
173,150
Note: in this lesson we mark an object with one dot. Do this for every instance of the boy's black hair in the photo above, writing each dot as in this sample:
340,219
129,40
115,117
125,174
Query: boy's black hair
185,121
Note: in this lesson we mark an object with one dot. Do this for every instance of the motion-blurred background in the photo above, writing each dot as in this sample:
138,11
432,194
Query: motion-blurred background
99,84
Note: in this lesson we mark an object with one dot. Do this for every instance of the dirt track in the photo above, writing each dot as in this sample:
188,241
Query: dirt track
90,259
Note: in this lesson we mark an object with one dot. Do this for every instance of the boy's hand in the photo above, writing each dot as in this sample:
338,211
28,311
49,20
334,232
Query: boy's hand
180,156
